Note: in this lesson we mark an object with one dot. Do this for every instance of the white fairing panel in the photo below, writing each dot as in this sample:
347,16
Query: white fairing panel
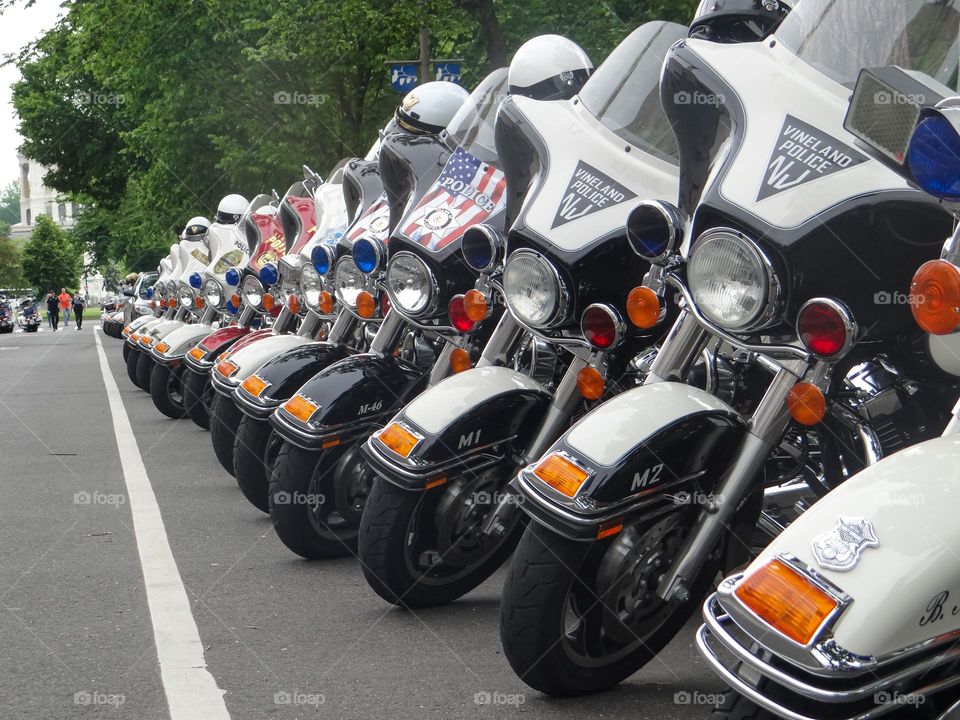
436,407
945,351
227,250
574,189
249,358
795,160
610,432
912,501
183,338
194,257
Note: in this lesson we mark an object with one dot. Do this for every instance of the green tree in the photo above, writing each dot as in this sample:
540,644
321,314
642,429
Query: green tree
9,264
50,259
9,208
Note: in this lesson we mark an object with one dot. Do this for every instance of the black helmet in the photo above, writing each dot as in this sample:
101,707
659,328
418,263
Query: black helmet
737,21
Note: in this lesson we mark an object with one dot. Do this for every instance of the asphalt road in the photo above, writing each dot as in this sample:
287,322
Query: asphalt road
284,638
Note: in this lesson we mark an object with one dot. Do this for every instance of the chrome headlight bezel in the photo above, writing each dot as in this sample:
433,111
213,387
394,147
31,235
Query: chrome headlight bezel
427,301
560,310
185,297
252,291
770,288
311,285
347,292
172,288
213,293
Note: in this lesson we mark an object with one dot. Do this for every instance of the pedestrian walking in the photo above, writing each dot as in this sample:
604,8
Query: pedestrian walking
65,301
53,310
79,303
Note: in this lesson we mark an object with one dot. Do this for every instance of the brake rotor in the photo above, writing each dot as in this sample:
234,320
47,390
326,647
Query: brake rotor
460,515
352,481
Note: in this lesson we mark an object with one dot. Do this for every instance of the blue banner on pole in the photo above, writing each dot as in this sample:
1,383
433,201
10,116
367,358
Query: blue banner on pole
447,71
403,77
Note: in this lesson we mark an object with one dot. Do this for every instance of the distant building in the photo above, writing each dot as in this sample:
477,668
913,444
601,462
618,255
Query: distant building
37,199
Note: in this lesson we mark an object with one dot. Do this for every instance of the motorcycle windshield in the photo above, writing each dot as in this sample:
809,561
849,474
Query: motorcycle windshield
624,92
840,37
472,127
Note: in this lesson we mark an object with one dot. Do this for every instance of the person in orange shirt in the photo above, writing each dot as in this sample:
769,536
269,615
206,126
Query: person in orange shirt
65,300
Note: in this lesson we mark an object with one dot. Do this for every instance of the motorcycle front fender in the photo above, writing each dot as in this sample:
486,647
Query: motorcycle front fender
461,420
143,328
248,358
159,332
351,398
285,374
646,449
136,323
203,355
179,341
910,502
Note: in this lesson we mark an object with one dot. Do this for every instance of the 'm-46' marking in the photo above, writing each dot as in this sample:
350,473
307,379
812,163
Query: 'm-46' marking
649,477
370,407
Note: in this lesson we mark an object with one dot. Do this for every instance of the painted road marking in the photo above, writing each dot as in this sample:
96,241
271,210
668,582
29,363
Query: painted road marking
192,692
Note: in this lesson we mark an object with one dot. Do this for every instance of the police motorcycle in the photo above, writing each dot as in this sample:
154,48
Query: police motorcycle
156,304
796,237
249,354
438,520
194,256
852,611
304,214
28,318
229,245
6,315
165,294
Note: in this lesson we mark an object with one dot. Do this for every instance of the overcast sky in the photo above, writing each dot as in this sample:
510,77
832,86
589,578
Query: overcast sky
20,26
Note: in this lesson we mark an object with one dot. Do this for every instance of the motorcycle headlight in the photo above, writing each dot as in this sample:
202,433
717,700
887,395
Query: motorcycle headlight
186,297
310,285
350,281
731,281
171,288
410,282
533,289
252,291
212,292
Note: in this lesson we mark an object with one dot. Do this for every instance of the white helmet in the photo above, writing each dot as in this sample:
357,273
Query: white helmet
231,209
548,67
430,107
195,229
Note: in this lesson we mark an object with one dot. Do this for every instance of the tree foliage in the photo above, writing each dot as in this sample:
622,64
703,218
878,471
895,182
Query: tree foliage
148,113
50,259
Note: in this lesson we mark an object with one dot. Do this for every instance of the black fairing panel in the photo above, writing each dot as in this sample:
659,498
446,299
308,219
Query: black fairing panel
362,388
361,185
287,372
509,416
867,244
409,164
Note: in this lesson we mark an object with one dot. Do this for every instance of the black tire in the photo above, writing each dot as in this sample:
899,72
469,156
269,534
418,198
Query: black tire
547,571
126,351
388,549
313,531
197,392
224,420
166,389
145,365
254,453
133,359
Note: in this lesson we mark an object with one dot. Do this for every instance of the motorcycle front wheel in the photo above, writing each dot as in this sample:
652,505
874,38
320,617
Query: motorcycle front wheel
254,453
428,548
126,351
133,359
580,617
166,389
303,507
197,395
225,418
145,365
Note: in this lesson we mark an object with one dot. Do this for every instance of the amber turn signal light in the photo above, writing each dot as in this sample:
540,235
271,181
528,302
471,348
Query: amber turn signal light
235,300
806,403
197,353
786,600
459,360
365,304
398,439
475,305
590,383
293,303
254,385
643,307
935,297
562,474
226,368
326,302
162,348
301,408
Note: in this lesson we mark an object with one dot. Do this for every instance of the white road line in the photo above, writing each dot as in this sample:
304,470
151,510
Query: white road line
192,692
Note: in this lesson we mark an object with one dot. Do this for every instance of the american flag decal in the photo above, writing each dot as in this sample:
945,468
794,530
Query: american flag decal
467,192
374,223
